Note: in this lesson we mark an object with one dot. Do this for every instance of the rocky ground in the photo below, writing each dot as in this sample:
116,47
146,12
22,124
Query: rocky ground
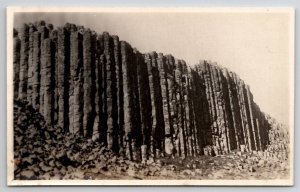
46,152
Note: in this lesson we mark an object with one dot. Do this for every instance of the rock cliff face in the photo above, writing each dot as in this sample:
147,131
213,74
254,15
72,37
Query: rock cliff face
138,105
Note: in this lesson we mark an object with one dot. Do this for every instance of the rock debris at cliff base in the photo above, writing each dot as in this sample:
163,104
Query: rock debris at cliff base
89,98
47,152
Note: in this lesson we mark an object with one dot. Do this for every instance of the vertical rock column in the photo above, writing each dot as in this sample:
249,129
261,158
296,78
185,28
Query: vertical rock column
103,91
211,96
195,111
47,81
126,52
220,129
232,111
203,72
225,137
188,113
170,75
243,113
24,62
166,107
16,62
54,41
261,129
98,90
144,104
173,88
153,114
203,102
112,93
252,120
30,63
44,35
259,144
202,114
120,94
159,132
136,141
237,111
36,69
248,120
180,109
109,78
63,67
88,84
75,77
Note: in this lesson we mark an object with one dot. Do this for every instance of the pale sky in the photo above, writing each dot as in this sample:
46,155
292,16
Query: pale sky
254,45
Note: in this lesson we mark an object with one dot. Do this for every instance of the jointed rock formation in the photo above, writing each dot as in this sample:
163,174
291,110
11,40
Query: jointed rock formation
138,105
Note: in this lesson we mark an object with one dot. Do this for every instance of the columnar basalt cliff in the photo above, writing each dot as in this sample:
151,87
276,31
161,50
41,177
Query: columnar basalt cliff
138,105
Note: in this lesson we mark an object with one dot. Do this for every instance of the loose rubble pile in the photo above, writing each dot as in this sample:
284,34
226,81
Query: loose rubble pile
279,139
46,152
42,151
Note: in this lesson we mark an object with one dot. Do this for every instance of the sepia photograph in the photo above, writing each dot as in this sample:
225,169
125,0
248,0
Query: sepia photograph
150,96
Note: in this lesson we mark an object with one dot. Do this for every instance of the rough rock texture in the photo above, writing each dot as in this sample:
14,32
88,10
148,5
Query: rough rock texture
16,63
44,151
140,106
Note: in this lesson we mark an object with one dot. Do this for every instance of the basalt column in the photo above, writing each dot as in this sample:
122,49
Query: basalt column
44,34
75,84
136,142
127,53
262,128
224,117
236,108
216,95
120,95
63,67
174,106
168,144
230,94
16,62
252,120
245,119
245,143
152,114
248,110
103,94
197,108
23,62
36,70
97,128
111,91
31,64
47,80
144,105
190,121
203,118
180,109
54,39
88,82
211,97
159,134
219,133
